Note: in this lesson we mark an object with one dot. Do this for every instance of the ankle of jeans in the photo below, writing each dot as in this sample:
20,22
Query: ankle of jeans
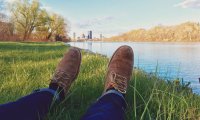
112,91
53,92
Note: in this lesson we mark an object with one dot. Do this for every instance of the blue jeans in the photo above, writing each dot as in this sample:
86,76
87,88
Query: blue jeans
35,106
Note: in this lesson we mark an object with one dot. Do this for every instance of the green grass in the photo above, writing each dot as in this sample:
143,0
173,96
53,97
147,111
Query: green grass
29,66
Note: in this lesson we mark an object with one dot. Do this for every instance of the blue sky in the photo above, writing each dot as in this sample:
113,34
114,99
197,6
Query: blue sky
113,17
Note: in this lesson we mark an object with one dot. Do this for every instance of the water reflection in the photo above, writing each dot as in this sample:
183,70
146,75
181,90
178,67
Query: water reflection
172,59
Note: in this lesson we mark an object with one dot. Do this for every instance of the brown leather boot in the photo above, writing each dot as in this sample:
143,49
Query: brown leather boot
120,69
67,70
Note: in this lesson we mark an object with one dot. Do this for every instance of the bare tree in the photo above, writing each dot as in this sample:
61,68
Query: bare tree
2,6
5,26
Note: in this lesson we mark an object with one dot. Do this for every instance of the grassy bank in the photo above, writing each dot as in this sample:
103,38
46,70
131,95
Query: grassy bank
28,66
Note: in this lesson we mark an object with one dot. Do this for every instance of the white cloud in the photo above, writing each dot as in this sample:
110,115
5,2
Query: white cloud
46,7
95,22
98,25
8,1
189,4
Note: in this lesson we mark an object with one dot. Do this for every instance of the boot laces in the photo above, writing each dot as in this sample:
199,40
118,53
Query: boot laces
61,78
119,82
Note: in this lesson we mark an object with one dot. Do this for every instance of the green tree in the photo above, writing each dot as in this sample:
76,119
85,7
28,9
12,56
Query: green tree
27,15
55,25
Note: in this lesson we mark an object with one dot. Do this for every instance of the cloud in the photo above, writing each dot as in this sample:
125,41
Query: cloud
189,4
95,22
98,25
9,1
107,25
46,7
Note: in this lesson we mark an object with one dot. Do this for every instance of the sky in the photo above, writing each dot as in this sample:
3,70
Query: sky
114,17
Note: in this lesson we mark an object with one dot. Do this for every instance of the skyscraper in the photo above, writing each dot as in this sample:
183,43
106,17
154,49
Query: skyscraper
74,36
89,34
101,36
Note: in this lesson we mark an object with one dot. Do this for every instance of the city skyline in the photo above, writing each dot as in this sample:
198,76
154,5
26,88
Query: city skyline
86,36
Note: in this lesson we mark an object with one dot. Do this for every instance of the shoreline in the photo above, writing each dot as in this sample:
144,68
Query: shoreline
181,81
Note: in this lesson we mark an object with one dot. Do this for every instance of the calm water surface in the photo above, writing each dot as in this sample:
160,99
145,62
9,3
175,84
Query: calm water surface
173,60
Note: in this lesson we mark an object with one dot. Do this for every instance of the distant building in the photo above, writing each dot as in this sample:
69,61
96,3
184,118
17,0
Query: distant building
74,36
88,37
83,36
89,34
101,36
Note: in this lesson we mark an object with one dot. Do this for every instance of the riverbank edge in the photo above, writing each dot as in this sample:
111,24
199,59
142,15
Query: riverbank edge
175,81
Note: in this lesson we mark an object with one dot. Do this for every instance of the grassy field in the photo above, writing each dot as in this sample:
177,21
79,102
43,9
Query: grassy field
29,66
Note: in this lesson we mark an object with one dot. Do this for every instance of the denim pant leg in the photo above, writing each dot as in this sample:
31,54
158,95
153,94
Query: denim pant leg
32,107
111,106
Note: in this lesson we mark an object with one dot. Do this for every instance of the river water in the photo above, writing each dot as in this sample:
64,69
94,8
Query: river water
169,60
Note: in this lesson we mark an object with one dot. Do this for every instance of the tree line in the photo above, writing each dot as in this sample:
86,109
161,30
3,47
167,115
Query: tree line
26,20
185,32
